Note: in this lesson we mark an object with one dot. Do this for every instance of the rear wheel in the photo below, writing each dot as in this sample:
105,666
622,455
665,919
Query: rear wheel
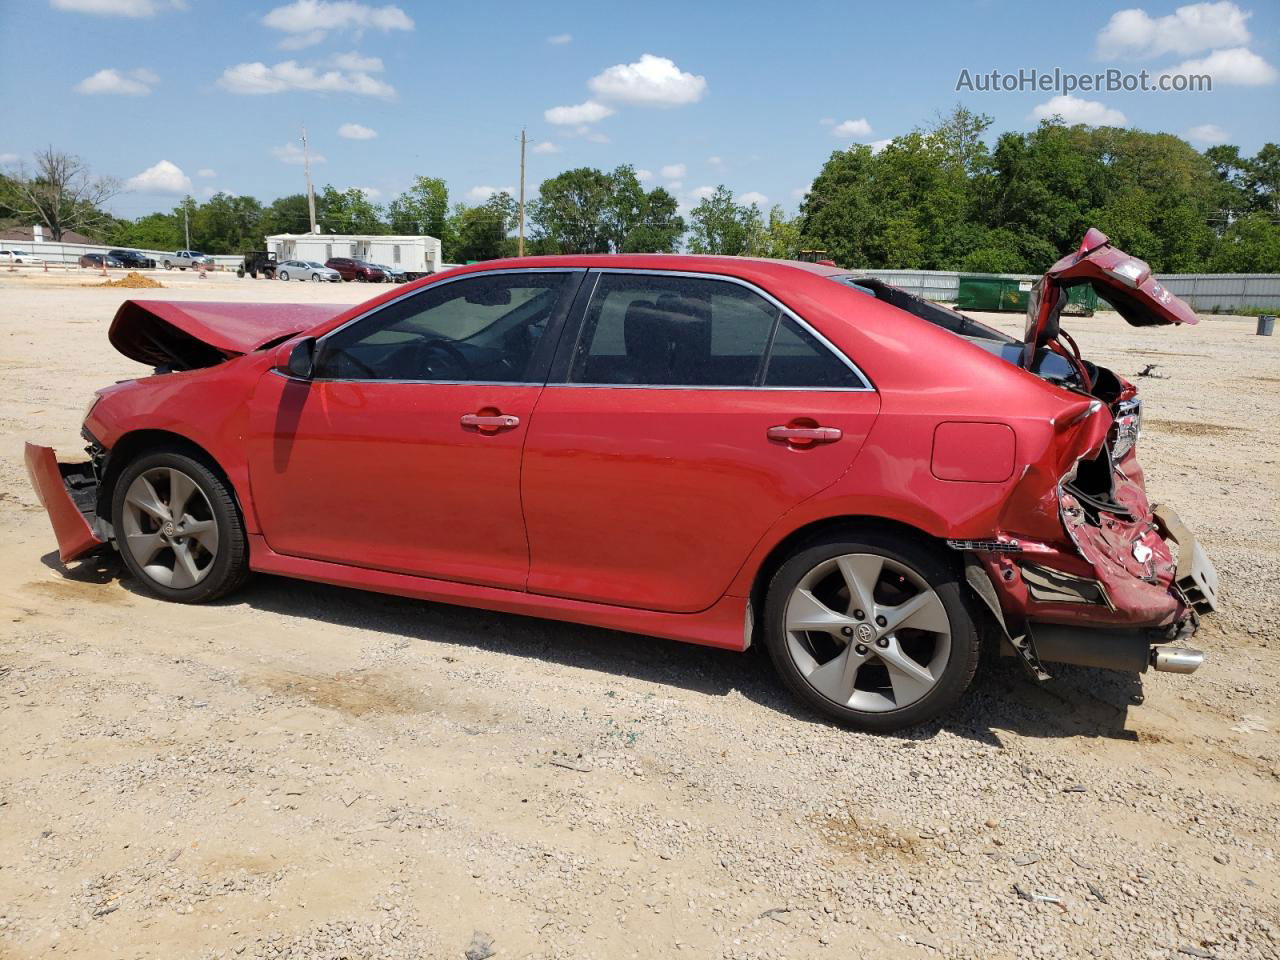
178,528
168,265
284,274
871,630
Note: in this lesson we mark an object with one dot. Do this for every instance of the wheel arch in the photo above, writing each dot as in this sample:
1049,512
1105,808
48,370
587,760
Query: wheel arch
137,442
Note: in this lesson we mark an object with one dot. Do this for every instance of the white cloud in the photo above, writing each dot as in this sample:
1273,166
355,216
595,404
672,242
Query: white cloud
650,81
206,172
208,191
715,161
1209,133
308,22
560,39
546,146
878,145
164,177
674,185
8,158
481,194
358,63
117,8
701,193
1074,110
674,171
1194,27
1234,67
642,175
292,153
799,192
852,128
134,83
258,78
751,196
371,193
593,136
588,112
356,131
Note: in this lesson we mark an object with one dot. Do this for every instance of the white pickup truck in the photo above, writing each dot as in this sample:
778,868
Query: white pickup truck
187,258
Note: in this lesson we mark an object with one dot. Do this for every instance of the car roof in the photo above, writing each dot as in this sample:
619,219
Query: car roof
692,262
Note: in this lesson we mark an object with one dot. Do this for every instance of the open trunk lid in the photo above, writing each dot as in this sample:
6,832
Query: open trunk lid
178,335
1123,281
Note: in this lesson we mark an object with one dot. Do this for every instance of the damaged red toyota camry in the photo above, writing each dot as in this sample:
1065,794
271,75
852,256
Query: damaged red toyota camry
716,450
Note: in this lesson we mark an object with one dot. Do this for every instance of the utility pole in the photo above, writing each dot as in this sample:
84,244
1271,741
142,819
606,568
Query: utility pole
523,141
311,193
186,222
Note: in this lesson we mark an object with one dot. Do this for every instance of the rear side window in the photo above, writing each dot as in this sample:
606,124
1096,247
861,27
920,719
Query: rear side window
799,359
654,330
666,330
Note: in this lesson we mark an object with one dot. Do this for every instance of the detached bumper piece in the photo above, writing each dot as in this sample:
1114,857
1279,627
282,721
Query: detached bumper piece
69,494
1194,575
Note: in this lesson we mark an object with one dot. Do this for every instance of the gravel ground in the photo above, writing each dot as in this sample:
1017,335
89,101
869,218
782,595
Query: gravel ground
302,771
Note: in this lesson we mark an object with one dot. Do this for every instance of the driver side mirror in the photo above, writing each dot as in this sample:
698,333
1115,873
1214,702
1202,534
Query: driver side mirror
302,359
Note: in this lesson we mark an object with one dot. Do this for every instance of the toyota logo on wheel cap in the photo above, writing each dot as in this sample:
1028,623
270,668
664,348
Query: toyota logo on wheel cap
865,633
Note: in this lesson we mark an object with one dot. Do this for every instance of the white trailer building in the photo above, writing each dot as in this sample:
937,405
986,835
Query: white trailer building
416,256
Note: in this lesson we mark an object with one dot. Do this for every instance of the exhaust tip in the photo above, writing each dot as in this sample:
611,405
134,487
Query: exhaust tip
1176,659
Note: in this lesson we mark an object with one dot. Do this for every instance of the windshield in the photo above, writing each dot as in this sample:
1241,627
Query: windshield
312,263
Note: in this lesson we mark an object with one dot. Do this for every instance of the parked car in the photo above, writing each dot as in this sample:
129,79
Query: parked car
712,449
393,274
258,262
18,256
187,258
96,260
351,269
307,270
133,259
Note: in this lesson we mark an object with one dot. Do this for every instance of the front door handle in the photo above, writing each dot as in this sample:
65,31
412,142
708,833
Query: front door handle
490,423
805,436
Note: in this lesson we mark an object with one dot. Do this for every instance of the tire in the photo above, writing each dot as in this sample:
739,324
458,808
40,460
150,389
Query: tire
315,278
886,691
284,275
168,265
138,531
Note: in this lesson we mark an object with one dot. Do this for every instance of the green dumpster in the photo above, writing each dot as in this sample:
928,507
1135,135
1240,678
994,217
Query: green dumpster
996,293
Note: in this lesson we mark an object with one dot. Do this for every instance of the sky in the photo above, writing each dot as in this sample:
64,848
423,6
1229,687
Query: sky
179,97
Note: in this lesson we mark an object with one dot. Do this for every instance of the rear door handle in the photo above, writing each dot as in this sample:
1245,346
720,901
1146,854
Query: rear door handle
805,436
490,424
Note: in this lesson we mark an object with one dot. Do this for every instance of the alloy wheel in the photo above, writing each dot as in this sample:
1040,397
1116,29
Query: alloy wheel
169,528
867,632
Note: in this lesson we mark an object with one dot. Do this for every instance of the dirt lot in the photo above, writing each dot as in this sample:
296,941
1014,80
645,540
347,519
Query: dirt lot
309,772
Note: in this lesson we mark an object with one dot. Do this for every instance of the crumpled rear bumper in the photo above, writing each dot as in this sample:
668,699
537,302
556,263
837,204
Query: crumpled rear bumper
68,492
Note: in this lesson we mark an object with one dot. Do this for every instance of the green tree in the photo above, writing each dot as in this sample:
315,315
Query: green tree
659,228
227,224
348,211
720,225
484,232
1250,245
155,231
573,212
287,214
422,209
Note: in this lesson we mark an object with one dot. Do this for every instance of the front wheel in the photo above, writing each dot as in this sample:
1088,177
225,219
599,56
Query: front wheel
315,278
872,630
178,528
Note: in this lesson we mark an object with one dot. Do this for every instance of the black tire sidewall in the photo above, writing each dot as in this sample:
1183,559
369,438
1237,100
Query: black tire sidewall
926,562
229,566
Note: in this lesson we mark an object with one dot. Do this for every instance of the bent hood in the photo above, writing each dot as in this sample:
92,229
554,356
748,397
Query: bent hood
1123,281
187,335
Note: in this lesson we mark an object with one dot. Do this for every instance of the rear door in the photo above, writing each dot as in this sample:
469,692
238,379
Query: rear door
685,415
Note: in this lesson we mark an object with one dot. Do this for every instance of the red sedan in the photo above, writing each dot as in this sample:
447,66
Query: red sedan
717,450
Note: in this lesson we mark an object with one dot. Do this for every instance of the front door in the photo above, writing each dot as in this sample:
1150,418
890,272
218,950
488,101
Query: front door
403,453
695,413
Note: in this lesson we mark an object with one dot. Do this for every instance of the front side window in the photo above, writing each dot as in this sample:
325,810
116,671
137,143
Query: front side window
668,330
483,328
